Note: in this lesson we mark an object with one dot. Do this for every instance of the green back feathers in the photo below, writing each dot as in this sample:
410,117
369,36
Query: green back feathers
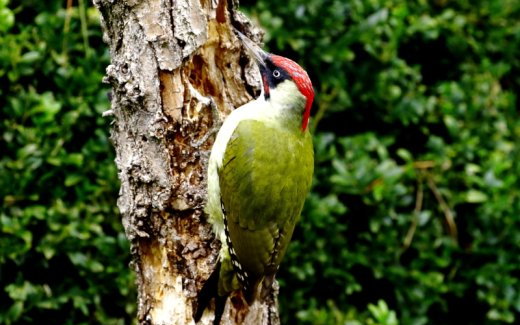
265,176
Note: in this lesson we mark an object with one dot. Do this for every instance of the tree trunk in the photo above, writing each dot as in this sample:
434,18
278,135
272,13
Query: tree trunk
173,64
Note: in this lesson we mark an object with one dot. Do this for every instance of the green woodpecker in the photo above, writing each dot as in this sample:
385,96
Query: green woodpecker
259,174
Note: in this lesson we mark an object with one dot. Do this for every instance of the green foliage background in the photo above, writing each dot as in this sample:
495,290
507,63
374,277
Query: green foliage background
414,216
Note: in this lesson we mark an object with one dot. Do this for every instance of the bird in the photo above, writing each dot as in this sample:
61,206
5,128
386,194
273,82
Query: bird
259,174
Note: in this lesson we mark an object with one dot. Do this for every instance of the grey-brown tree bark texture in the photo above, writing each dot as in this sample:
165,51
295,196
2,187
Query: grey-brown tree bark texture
177,69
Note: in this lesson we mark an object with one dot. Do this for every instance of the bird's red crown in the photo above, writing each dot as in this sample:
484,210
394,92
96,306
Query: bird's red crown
302,80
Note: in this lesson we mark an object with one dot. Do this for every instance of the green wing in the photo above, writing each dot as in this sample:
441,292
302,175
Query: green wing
265,176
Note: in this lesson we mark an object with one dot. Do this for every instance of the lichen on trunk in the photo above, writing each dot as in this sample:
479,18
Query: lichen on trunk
177,69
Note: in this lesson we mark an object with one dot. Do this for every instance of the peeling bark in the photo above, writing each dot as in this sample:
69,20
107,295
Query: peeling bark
174,64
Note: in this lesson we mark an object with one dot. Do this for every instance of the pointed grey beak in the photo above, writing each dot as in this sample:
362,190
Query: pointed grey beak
256,52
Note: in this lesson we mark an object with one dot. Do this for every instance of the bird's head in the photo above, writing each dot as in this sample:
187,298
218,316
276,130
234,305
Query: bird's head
285,83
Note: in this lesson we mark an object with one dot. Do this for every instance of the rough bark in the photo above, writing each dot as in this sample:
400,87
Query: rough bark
172,63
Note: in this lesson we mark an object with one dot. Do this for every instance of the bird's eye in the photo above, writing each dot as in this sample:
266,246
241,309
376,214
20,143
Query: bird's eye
276,74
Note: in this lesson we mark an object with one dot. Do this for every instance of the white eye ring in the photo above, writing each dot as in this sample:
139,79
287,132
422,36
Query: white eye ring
276,74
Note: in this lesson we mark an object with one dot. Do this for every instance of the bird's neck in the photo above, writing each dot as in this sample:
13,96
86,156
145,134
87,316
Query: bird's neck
284,107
